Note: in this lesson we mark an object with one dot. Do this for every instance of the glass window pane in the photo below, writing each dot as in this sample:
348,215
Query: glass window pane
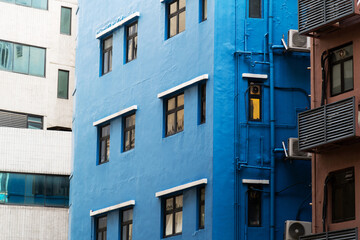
124,230
336,79
6,55
182,21
102,222
169,225
130,231
110,60
41,4
56,190
16,188
127,140
180,120
255,108
108,43
135,48
106,62
23,2
99,236
105,131
348,75
65,22
173,7
178,222
179,201
37,61
171,124
255,8
173,26
182,3
63,84
102,152
180,100
107,149
130,50
132,138
34,125
204,9
127,215
171,104
169,204
202,215
202,194
4,178
21,58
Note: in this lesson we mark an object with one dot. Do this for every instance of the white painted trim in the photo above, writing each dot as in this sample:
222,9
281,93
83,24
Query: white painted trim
115,115
183,85
181,187
253,75
111,208
255,181
119,24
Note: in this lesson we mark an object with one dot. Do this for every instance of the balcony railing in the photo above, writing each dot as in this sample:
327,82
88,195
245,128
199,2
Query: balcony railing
327,124
317,14
348,234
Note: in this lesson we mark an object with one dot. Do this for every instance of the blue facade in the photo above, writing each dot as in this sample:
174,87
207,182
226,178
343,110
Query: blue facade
220,150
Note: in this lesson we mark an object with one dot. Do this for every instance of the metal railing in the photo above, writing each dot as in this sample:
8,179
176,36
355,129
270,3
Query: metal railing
347,234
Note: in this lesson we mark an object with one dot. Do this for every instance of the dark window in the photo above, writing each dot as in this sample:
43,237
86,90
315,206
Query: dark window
202,103
175,114
104,144
20,120
204,10
65,21
202,208
255,103
176,17
40,4
126,224
255,9
131,41
34,122
101,228
107,55
343,195
21,58
32,189
254,205
342,78
173,215
63,84
129,132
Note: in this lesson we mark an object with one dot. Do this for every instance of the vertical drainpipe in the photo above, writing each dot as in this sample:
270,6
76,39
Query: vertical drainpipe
272,124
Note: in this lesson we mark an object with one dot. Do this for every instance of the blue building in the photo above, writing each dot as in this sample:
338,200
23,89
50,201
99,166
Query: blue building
181,110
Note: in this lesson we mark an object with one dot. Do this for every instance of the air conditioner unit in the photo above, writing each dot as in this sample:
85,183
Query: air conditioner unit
294,152
297,42
296,229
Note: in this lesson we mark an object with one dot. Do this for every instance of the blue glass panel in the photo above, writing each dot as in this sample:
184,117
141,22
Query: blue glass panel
6,55
41,4
37,61
65,21
4,178
21,58
57,191
16,188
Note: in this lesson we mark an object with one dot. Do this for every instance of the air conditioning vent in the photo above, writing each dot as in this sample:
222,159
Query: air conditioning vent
294,152
297,42
295,229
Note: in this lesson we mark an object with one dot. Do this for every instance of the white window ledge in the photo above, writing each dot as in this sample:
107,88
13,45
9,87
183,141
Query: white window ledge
181,187
183,85
256,76
112,208
115,115
115,25
255,181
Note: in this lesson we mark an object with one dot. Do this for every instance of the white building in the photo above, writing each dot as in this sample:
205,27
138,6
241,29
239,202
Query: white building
37,72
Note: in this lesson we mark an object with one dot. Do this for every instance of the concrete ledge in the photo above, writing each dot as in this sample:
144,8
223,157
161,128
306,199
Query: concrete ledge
256,181
256,76
181,187
115,115
118,24
112,208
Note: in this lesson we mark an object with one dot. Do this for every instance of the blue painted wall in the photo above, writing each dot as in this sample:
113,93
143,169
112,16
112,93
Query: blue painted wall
209,150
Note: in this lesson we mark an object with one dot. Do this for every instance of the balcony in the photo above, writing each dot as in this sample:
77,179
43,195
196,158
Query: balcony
348,234
327,126
321,16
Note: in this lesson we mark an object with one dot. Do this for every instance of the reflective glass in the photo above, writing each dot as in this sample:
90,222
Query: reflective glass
169,204
178,222
102,221
105,131
171,104
102,152
135,47
124,232
171,123
108,149
180,100
21,58
132,138
9,1
348,75
16,188
173,26
106,62
182,3
4,179
108,43
169,225
202,194
202,215
127,140
65,21
179,201
63,84
180,120
127,215
6,55
173,7
34,122
23,2
37,61
130,231
336,79
182,22
57,190
130,50
255,8
204,9
41,4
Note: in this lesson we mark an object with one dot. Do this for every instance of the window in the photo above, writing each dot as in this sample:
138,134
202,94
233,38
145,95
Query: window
255,8
126,224
203,103
254,205
34,189
173,216
175,114
40,4
107,55
104,143
20,120
20,58
342,78
176,17
101,228
255,103
129,132
63,84
65,21
343,195
131,39
202,208
203,10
